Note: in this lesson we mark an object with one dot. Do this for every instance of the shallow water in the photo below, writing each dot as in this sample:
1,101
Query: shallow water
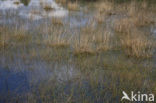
19,76
35,9
33,14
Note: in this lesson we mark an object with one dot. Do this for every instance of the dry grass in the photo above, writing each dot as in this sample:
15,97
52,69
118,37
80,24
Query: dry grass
143,19
61,1
57,21
56,41
47,8
58,44
17,2
20,36
124,25
140,14
137,45
106,42
105,7
101,72
33,11
135,42
73,6
3,41
100,18
83,50
3,45
83,46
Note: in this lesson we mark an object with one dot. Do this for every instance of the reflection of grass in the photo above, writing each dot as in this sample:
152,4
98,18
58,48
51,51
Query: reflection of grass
106,79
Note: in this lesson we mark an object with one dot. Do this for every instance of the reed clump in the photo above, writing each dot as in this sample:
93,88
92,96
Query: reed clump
138,45
83,50
73,6
47,8
17,2
57,21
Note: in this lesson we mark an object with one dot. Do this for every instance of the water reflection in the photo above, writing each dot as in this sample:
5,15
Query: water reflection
34,9
17,80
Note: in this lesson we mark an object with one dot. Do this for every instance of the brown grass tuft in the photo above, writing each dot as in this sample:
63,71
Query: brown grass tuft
56,42
106,42
17,2
73,6
83,51
105,7
137,45
57,21
124,25
47,8
61,1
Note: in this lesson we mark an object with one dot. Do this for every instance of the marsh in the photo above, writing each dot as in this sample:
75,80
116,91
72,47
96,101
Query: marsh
74,51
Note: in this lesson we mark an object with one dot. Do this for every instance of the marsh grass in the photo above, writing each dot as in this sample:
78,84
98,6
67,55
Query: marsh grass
17,2
61,1
143,19
83,50
138,45
73,6
135,42
20,36
105,72
25,2
3,45
48,8
105,7
124,25
105,41
100,18
57,21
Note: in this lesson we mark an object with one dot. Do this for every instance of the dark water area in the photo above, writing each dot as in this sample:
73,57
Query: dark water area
12,83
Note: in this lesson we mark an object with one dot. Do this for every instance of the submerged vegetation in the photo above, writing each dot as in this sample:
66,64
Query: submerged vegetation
113,52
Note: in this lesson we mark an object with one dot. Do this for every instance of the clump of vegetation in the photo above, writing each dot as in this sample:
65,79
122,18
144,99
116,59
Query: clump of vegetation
17,2
57,21
124,25
138,45
83,50
47,8
57,42
25,2
105,7
106,42
61,1
73,6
